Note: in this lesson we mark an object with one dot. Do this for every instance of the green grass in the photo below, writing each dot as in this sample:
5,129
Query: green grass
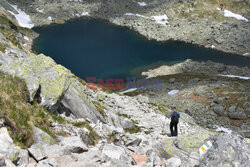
2,48
93,136
4,20
58,118
19,116
136,129
100,108
10,35
124,115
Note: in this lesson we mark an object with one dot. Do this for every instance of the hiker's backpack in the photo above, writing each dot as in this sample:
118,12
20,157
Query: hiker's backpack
175,117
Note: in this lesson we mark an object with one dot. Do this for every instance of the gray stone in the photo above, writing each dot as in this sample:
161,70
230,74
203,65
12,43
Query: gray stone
74,144
219,100
247,111
135,142
42,137
75,102
113,152
171,80
173,162
232,150
37,151
126,123
236,113
219,110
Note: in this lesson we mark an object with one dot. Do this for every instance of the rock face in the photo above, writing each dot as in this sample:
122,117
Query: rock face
52,84
231,145
10,152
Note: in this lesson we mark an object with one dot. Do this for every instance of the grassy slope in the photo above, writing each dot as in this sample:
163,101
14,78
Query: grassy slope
18,114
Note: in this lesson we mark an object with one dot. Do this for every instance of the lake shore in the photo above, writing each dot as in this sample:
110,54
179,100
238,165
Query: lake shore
160,20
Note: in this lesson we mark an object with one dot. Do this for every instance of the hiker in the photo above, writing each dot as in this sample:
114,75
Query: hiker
174,115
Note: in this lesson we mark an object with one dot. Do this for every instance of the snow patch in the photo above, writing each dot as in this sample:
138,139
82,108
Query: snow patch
39,10
172,92
22,18
228,13
246,54
85,14
163,19
135,14
75,1
234,76
142,3
26,38
220,128
128,90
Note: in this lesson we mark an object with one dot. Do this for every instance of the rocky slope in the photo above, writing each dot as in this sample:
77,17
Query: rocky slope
71,125
198,22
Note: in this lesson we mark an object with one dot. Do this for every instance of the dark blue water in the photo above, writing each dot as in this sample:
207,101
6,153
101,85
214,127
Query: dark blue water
94,48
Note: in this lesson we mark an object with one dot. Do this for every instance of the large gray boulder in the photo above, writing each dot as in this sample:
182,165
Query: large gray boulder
112,152
219,110
75,101
55,86
12,152
42,137
236,113
227,150
173,162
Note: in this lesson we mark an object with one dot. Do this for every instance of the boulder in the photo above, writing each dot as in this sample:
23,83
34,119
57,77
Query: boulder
236,113
171,80
74,144
139,159
173,162
55,85
37,151
14,153
219,110
76,102
227,150
113,152
42,137
126,123
135,142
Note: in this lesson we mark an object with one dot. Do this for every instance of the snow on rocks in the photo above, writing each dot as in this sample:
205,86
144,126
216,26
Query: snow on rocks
135,14
220,128
22,18
40,10
142,3
85,14
235,76
26,38
228,13
162,19
246,54
50,18
128,90
172,92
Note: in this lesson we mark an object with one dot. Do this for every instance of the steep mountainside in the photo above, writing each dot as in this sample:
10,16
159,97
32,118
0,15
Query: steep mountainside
49,116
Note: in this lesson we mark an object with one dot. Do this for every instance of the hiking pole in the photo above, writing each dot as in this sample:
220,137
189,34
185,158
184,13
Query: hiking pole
163,125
